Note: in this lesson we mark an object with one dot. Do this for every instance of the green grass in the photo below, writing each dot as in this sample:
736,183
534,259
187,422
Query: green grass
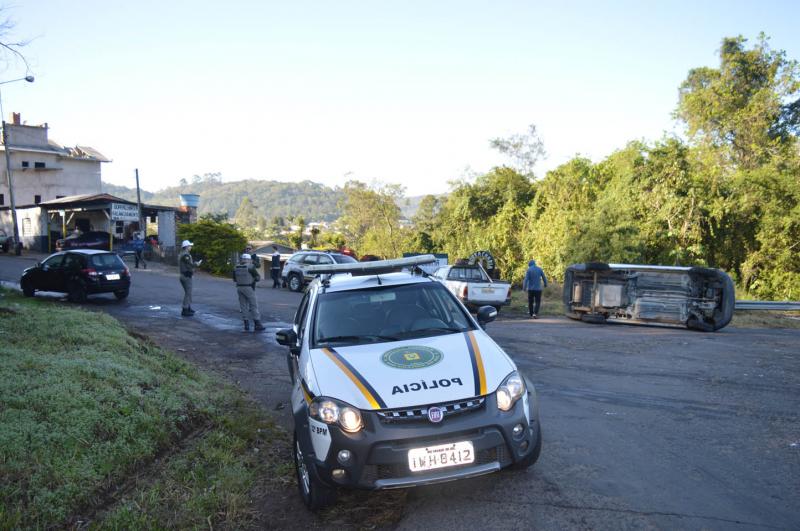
98,426
551,302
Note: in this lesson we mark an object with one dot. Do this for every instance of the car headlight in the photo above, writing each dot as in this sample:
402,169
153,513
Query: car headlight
511,390
332,411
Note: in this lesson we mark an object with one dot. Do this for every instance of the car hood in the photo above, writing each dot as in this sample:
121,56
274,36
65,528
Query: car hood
409,373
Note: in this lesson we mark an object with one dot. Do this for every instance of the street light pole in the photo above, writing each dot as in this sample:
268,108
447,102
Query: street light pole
9,176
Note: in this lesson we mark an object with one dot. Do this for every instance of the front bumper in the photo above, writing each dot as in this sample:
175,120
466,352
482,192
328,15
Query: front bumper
379,452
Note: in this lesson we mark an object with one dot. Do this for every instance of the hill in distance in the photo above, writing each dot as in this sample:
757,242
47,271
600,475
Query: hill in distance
313,201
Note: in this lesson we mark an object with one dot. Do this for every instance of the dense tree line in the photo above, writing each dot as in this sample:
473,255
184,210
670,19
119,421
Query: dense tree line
726,195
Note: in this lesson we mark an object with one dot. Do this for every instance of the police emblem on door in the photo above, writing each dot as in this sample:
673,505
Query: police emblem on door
435,414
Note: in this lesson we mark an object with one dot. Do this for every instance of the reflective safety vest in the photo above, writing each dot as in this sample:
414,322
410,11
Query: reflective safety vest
243,276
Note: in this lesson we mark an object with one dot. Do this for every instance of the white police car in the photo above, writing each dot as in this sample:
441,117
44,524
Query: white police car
396,385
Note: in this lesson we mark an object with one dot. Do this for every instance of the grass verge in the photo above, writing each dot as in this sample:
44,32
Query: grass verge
551,302
100,428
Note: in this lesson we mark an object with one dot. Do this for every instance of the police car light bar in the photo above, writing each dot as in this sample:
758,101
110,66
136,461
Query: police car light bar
372,268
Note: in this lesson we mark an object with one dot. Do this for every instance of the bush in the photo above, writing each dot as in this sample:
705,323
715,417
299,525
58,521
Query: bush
214,242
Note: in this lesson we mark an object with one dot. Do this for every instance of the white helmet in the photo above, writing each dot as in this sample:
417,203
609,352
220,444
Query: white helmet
186,243
246,257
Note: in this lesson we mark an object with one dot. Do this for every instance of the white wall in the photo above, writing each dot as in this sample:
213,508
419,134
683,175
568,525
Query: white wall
61,176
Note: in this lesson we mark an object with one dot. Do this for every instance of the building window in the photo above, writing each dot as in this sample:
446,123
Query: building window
26,164
27,229
38,164
37,199
2,199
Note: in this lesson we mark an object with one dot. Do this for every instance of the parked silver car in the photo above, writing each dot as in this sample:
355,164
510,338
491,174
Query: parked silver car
294,274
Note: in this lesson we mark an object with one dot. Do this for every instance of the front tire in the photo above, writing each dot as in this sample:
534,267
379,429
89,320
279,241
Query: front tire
295,282
314,493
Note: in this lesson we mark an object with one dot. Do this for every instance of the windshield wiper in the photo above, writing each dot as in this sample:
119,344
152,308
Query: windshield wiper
356,339
434,329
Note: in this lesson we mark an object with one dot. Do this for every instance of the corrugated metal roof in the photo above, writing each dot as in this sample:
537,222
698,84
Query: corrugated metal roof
87,199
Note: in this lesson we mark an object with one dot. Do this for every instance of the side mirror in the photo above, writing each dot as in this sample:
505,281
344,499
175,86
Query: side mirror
287,338
486,314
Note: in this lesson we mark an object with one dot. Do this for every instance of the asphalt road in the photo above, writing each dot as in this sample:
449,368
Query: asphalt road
644,427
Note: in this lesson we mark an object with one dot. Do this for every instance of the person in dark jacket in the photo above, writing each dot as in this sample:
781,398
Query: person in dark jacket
248,249
534,278
138,250
275,269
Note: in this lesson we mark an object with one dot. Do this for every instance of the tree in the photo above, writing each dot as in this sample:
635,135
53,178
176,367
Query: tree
10,49
371,218
748,108
215,242
525,150
296,238
246,216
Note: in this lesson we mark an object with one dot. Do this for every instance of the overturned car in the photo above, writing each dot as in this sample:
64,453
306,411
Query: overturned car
699,298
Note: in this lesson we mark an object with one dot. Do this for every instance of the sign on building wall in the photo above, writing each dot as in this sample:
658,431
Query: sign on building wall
123,212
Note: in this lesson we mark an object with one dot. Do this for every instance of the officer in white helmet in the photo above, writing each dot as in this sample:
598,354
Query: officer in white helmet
246,275
186,267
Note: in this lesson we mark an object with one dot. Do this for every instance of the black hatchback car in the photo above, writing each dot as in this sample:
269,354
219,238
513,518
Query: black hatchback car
78,273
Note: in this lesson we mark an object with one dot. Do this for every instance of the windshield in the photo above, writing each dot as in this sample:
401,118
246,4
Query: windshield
343,259
388,313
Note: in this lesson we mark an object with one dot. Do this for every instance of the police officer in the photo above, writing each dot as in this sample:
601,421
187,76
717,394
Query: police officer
248,250
246,275
186,267
275,267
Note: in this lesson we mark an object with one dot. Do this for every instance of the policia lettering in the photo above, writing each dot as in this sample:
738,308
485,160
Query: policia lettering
422,384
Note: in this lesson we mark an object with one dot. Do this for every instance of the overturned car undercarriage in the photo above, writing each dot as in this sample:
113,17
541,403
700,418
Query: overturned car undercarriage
696,297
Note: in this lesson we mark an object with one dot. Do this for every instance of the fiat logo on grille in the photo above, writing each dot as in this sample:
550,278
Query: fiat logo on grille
435,414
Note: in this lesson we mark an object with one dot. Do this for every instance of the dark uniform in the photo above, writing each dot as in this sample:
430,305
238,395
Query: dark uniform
275,269
254,257
186,266
246,275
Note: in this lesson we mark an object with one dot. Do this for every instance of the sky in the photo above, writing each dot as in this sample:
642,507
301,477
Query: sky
406,92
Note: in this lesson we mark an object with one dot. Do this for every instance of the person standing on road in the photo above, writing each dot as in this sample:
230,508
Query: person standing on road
275,269
248,250
534,277
186,267
246,275
138,250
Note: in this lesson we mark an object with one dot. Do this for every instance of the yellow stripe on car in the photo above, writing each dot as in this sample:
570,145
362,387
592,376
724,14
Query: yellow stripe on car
373,401
478,362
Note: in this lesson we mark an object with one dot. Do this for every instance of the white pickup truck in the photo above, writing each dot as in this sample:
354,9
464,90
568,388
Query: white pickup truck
473,287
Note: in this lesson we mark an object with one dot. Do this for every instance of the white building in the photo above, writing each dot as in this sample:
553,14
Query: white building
42,170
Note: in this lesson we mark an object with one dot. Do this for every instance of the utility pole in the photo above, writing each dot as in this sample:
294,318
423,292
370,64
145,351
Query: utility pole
142,228
9,177
10,182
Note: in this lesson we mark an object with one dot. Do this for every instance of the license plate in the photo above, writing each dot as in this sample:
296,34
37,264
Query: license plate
441,456
487,290
113,276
